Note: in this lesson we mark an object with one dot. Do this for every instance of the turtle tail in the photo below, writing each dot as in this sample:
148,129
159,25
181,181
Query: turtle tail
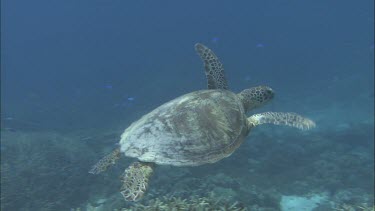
280,118
106,162
135,180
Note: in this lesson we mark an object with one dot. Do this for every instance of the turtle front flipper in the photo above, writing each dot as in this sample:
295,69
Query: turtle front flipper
280,118
213,68
106,162
135,180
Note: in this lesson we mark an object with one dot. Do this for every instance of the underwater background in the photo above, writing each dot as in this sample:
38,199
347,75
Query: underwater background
75,74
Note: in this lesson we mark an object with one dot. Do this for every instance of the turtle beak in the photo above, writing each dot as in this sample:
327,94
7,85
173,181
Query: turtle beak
269,94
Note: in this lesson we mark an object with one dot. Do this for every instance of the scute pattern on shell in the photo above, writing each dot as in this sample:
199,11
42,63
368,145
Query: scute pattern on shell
194,129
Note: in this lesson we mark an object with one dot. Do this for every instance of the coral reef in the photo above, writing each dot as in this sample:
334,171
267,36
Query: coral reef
46,171
171,203
350,207
49,171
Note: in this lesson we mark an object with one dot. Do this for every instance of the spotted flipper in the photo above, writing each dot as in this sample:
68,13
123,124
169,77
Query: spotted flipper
213,68
135,180
279,118
106,162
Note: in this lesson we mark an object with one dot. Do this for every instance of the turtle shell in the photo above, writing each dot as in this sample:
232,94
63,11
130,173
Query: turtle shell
194,129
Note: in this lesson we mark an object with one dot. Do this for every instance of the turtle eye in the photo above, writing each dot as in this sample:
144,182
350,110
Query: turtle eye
269,94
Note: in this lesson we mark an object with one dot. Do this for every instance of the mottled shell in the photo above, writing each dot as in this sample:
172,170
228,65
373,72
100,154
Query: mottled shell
194,129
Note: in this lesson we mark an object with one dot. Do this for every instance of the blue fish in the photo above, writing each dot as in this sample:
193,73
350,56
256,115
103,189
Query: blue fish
259,45
215,39
108,86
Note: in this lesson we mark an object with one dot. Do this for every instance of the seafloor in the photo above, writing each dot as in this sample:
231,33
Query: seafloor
277,168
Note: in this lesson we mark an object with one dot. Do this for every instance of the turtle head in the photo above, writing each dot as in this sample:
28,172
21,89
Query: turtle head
255,97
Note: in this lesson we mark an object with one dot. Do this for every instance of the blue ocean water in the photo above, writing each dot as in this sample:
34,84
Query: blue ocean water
75,74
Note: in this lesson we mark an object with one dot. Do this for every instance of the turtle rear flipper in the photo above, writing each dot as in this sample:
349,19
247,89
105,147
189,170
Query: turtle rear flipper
280,118
135,180
105,162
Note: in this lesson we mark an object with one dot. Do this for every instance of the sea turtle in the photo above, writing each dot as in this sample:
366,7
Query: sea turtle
197,128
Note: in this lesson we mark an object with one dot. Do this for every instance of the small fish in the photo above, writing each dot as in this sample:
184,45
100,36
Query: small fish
108,86
259,45
215,39
126,102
